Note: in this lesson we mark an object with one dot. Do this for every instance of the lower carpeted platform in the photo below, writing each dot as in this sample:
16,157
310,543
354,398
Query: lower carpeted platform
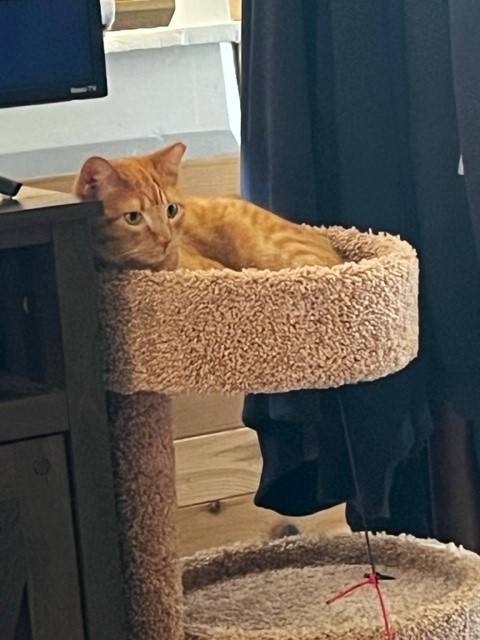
278,591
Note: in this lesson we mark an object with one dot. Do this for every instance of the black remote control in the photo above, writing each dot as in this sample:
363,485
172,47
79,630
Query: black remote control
8,187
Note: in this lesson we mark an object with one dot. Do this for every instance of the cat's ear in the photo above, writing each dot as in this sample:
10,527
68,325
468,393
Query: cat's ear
167,162
97,178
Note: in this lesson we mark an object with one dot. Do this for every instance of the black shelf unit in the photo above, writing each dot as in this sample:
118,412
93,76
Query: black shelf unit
59,549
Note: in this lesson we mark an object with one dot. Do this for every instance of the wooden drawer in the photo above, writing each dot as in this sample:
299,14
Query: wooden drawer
39,589
218,467
237,519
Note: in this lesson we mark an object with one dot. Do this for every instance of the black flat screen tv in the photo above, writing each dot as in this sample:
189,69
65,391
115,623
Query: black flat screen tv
50,51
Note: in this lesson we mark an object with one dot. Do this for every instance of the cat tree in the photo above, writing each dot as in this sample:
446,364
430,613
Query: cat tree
262,331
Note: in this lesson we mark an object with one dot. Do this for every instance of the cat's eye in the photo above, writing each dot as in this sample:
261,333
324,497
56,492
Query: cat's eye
133,217
172,210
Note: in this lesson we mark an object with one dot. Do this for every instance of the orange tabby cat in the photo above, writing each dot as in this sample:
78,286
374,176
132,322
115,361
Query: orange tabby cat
149,223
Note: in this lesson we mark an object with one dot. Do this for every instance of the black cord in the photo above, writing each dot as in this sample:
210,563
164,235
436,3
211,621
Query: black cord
356,482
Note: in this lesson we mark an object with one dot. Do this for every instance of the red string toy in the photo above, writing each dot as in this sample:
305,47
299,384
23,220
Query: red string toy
371,578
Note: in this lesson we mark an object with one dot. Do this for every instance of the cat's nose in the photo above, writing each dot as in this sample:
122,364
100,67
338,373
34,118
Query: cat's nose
164,242
161,238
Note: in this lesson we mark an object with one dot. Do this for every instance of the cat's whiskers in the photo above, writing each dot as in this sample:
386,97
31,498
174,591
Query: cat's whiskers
136,253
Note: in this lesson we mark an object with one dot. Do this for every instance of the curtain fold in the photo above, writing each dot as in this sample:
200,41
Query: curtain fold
349,116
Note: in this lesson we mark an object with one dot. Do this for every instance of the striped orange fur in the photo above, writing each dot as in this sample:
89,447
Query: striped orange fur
149,223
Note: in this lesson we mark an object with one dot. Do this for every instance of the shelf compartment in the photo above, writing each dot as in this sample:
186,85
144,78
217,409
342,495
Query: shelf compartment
33,416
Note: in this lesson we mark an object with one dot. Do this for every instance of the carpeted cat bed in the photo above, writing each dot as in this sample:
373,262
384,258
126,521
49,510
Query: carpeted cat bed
260,331
255,330
278,591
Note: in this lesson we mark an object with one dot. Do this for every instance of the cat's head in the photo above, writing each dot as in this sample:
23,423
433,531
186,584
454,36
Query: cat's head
143,210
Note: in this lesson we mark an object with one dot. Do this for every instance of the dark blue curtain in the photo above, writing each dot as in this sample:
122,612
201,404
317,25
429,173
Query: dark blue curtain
349,116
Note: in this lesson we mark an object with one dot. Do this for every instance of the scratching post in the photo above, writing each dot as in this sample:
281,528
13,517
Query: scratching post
255,331
143,462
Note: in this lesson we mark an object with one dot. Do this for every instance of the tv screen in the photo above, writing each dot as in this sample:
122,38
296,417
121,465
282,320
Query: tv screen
50,51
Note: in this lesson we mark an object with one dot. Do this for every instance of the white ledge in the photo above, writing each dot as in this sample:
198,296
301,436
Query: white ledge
159,37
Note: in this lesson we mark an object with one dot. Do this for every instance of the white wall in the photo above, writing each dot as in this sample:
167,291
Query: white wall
164,86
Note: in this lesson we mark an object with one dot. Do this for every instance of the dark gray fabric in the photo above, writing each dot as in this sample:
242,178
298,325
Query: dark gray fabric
349,117
465,28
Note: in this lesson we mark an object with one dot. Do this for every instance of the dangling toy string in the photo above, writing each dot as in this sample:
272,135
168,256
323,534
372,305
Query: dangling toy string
374,576
371,578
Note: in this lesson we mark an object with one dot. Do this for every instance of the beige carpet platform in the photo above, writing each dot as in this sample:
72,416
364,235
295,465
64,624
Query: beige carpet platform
228,331
278,591
258,331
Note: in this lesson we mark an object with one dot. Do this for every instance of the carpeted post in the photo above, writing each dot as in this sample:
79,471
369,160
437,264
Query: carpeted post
143,459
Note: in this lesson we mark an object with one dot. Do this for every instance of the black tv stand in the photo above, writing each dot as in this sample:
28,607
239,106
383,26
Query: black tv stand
60,572
9,187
